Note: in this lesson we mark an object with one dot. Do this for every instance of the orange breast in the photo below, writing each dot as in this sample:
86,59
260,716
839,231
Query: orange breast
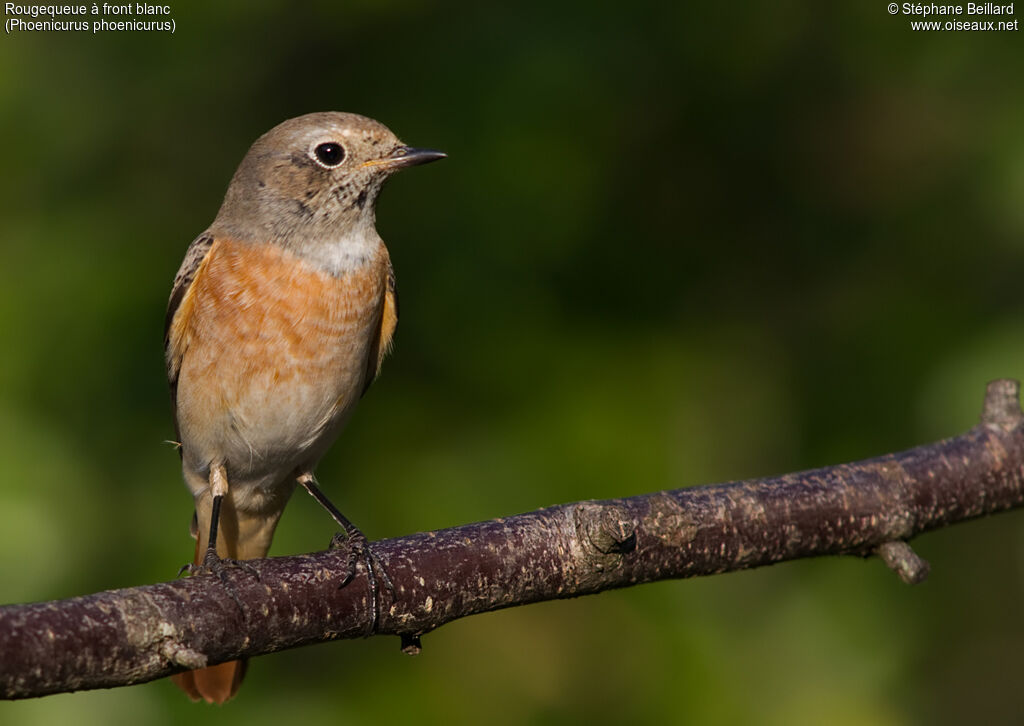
274,355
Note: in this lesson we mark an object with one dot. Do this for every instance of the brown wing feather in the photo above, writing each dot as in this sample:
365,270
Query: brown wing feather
194,257
197,252
381,345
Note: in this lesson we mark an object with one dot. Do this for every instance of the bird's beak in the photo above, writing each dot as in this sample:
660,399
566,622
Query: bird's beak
405,156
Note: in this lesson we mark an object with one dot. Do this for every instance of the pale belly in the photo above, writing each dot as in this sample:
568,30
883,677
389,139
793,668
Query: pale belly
262,420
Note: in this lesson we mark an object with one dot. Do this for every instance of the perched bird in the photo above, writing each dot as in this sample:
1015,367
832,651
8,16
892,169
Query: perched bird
278,321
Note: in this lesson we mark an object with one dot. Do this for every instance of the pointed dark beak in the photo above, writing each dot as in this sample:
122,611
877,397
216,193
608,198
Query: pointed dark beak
405,156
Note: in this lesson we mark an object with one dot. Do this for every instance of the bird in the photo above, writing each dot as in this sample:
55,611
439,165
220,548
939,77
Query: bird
278,321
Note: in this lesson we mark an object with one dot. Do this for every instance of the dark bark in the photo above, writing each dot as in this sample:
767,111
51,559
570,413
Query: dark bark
139,634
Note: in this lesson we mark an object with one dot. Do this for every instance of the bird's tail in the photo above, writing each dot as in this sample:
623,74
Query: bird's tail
213,684
239,538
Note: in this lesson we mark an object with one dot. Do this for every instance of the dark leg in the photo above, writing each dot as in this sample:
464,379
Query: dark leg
211,557
358,543
212,562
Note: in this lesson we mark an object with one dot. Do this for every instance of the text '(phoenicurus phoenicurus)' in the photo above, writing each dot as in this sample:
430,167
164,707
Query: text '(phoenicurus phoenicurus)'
277,324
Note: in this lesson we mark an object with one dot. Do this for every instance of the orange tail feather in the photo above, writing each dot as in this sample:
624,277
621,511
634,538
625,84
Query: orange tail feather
214,684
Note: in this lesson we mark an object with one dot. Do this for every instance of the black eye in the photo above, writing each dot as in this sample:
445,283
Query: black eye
329,154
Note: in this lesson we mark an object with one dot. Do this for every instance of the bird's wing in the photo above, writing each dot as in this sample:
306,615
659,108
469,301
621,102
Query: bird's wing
179,309
381,345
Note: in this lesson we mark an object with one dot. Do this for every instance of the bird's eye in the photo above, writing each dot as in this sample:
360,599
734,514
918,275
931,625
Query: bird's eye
329,154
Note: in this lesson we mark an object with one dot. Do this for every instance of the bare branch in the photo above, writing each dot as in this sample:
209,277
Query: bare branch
133,635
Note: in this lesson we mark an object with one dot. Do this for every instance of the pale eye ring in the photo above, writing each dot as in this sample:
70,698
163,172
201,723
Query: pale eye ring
329,154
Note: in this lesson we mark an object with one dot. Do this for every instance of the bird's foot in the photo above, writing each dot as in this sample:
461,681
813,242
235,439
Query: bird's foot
358,548
214,564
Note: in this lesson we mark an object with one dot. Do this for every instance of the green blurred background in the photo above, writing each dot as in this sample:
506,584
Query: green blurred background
674,244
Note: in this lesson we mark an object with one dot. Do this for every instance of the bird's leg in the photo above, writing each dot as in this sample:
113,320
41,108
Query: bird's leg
212,562
357,544
219,489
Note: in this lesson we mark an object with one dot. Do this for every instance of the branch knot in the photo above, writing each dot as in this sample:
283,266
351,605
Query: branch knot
607,528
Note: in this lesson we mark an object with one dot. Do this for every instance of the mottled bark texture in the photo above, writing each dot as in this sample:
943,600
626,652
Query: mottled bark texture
134,635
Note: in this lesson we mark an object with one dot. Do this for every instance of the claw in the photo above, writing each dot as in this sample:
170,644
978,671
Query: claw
359,549
214,564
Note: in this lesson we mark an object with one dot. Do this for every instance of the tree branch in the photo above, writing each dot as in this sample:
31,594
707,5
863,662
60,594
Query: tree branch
138,634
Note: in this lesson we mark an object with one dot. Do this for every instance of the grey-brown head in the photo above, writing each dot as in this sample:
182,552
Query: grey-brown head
314,180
